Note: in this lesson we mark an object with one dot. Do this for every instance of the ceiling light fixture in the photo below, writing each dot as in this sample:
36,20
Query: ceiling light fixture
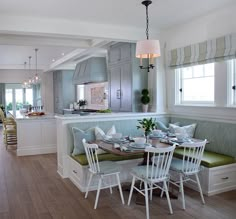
149,49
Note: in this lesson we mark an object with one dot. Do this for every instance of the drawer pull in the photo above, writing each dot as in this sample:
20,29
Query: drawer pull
225,177
74,171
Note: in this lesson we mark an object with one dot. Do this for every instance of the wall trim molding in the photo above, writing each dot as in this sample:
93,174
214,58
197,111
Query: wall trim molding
24,151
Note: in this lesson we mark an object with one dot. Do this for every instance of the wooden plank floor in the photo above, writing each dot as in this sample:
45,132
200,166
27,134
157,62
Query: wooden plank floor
31,188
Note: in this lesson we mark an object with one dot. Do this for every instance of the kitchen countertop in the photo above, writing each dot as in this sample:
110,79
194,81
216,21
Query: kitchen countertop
22,116
113,115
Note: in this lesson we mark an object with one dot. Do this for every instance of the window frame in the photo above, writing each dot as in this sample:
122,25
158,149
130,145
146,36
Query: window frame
231,76
179,92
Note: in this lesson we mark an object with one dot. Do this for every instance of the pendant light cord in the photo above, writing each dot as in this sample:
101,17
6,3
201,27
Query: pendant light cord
36,61
147,23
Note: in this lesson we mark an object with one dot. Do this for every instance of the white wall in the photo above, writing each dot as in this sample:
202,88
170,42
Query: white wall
47,92
217,24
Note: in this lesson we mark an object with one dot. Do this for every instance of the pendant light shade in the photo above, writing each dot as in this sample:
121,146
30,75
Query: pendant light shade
148,48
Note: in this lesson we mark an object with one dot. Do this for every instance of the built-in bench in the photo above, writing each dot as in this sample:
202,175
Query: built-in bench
218,174
82,159
209,159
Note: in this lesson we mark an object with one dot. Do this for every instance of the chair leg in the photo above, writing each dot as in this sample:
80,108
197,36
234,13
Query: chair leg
98,192
110,186
182,191
120,189
168,197
151,191
90,179
199,187
146,200
131,190
162,191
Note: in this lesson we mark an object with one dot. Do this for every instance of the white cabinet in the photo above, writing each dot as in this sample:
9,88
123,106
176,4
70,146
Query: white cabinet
36,136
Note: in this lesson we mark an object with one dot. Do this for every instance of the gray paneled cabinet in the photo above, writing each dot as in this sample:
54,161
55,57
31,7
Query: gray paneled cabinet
126,80
64,90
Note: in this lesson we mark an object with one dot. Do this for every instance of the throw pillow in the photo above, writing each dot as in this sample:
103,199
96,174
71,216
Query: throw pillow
100,135
78,136
188,129
160,125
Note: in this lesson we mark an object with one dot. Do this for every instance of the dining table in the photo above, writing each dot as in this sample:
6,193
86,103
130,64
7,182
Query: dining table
122,148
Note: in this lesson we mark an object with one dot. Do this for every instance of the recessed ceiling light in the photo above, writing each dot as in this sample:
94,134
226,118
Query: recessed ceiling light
53,60
63,54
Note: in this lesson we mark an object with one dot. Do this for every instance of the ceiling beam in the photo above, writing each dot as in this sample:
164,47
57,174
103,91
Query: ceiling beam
12,39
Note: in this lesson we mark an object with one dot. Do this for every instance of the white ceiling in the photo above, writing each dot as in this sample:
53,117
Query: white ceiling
163,13
14,50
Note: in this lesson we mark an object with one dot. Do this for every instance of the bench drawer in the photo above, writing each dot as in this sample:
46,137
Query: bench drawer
222,179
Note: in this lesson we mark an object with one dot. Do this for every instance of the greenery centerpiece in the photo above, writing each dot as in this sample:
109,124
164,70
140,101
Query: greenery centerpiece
147,125
145,99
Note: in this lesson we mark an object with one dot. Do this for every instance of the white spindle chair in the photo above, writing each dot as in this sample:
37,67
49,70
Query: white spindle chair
188,165
103,170
153,173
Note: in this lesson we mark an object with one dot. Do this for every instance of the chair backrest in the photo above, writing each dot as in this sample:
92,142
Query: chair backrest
2,116
158,169
192,156
91,154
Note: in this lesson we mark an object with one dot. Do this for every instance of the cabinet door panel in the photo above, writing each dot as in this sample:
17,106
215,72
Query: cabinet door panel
126,87
115,88
125,51
114,55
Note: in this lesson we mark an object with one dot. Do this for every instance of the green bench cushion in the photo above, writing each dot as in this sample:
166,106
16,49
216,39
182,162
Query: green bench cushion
82,159
209,159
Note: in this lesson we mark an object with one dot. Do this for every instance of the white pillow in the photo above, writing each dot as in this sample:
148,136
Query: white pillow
185,130
100,135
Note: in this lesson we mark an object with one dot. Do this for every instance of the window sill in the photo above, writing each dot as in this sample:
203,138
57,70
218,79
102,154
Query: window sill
197,105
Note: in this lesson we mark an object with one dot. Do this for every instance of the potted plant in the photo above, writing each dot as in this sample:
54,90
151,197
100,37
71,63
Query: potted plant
145,99
82,103
147,125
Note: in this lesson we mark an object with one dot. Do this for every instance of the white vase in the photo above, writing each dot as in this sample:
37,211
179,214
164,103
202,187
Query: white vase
145,108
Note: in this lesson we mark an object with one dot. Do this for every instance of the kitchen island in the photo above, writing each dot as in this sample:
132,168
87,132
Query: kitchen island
36,134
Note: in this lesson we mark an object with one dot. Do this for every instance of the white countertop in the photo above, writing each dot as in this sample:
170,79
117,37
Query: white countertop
108,116
22,116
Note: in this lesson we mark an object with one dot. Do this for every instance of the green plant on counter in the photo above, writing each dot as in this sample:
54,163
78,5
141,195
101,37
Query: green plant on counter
147,125
104,111
145,99
82,102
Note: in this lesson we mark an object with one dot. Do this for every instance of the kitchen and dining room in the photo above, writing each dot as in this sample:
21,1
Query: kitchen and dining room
117,110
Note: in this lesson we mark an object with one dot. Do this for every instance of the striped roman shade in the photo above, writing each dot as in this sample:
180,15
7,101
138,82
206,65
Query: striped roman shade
214,50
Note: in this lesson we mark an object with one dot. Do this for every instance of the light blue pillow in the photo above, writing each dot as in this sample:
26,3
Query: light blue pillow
160,125
78,136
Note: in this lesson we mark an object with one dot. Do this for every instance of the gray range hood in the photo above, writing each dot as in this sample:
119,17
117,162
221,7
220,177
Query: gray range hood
91,70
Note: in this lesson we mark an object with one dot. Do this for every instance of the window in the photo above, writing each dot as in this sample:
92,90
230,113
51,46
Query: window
80,92
195,84
231,66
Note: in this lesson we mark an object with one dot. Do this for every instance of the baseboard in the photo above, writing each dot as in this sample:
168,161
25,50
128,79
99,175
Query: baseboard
36,150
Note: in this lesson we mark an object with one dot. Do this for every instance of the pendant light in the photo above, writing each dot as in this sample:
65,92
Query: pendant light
36,77
149,49
30,80
25,83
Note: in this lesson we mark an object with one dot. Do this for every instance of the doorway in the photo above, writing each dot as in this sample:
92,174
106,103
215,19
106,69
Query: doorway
16,97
